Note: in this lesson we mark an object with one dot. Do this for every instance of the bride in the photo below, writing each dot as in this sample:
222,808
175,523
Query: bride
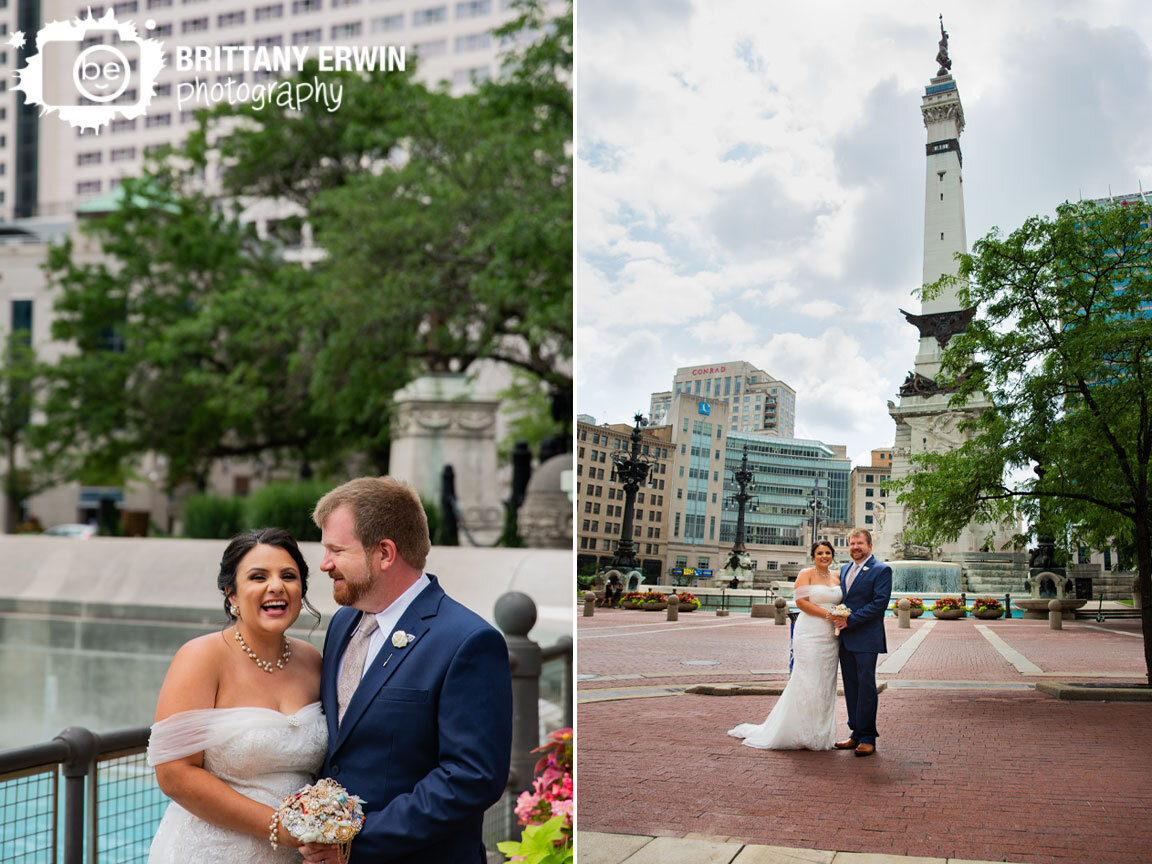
238,721
805,716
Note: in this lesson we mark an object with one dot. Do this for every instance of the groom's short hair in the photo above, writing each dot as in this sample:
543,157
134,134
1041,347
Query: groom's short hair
383,508
861,532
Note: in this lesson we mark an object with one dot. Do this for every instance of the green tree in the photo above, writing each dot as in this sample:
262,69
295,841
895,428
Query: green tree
185,339
447,220
21,381
1063,349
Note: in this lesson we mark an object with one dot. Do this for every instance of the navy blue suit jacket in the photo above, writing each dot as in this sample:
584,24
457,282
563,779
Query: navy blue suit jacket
869,598
426,740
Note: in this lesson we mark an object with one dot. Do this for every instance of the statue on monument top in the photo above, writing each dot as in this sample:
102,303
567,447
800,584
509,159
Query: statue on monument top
942,55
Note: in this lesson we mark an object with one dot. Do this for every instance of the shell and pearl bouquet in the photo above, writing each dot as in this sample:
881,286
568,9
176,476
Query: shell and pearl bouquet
839,611
323,812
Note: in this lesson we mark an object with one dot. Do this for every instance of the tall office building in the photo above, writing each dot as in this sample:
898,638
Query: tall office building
48,168
756,401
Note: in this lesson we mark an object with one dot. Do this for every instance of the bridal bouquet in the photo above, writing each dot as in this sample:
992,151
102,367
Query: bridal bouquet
839,611
323,813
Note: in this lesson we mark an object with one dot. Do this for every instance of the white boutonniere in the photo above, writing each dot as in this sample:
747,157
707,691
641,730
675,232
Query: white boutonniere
400,639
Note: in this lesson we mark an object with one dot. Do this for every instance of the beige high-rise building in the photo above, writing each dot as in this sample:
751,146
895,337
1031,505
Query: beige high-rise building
756,401
48,168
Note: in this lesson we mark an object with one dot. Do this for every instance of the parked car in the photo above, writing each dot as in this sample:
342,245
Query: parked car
71,529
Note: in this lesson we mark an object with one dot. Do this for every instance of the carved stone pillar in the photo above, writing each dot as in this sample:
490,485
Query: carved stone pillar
438,422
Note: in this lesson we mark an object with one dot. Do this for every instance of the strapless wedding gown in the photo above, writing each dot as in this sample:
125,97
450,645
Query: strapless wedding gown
805,716
259,752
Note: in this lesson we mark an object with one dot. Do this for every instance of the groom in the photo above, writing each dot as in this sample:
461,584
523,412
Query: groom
415,687
867,588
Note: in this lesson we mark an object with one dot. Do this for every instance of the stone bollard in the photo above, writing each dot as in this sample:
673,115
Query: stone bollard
904,614
673,607
589,603
781,610
721,613
1055,617
763,610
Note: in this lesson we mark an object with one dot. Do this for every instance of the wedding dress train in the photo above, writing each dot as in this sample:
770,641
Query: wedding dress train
805,715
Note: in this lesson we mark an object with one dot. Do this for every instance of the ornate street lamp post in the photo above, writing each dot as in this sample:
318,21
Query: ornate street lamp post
738,557
815,505
630,468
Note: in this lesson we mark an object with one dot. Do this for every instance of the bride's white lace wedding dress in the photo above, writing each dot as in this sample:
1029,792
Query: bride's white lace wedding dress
259,752
805,715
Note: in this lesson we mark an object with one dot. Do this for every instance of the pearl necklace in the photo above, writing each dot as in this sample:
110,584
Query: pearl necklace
266,665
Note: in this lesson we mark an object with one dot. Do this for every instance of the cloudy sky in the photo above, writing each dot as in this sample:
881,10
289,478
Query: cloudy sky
750,178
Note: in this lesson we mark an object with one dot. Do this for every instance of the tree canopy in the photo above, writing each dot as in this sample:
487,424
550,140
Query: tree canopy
446,221
1062,348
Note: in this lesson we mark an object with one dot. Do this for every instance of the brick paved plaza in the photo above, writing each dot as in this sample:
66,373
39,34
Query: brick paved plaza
973,762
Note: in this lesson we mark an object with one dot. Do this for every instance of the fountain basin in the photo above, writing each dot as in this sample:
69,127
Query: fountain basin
1038,609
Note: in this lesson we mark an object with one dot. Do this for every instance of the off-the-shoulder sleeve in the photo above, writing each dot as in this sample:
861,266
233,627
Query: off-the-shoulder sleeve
188,732
803,592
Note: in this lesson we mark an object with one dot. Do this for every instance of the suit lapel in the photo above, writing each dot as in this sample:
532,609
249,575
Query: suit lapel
415,621
867,565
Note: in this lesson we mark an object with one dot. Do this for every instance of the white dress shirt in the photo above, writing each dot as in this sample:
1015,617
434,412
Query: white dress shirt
387,621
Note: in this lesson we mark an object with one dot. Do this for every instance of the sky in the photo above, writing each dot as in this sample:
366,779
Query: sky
750,179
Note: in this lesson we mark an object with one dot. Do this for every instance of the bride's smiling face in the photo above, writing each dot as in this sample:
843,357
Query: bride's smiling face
268,588
823,557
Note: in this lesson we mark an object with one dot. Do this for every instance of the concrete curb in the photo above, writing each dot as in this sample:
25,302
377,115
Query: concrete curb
1082,693
595,847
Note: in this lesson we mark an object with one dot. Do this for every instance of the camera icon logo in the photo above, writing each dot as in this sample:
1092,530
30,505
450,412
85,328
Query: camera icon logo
83,70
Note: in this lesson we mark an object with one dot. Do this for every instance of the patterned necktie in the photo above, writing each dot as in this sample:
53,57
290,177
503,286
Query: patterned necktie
354,656
852,576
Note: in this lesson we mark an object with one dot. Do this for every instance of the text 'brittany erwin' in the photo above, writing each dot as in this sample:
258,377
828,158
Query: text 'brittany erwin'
289,58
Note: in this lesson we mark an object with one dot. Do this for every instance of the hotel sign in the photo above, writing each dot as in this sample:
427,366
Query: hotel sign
710,370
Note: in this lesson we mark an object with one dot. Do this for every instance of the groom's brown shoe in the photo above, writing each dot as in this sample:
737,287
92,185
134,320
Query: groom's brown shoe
865,749
850,744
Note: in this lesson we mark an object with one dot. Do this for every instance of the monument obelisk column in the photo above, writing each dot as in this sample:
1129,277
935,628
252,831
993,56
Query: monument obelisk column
924,420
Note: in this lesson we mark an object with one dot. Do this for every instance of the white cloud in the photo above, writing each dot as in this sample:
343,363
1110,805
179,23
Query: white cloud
751,178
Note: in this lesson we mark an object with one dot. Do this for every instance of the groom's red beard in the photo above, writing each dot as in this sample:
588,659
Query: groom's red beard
347,592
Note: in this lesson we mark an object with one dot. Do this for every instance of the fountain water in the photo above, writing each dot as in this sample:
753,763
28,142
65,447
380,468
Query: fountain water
925,577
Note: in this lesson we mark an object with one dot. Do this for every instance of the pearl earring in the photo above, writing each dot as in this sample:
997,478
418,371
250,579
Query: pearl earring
234,610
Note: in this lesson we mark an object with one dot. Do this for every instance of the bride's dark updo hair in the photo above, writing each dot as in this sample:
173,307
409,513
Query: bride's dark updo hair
242,544
817,545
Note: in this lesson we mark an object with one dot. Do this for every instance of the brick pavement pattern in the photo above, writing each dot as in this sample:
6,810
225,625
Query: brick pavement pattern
972,762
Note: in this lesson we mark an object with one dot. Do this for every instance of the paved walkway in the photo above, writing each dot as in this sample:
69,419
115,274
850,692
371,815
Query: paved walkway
974,763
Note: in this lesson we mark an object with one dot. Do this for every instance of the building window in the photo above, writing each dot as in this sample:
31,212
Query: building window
307,37
473,8
432,15
346,31
158,120
299,6
94,157
121,154
194,25
268,42
159,4
230,19
89,187
388,24
435,48
267,13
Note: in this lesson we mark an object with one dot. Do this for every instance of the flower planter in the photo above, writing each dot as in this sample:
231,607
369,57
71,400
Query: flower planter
631,604
988,614
659,606
688,608
915,611
948,614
